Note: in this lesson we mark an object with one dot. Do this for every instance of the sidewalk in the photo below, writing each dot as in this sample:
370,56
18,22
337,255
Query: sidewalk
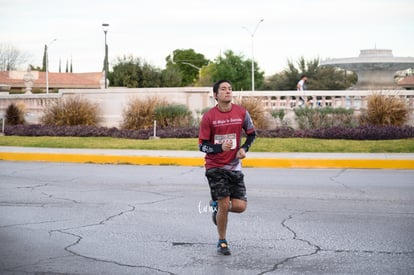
196,158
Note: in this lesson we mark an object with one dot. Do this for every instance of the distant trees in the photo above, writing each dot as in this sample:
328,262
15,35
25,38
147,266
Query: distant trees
237,69
11,58
189,68
319,78
185,68
133,72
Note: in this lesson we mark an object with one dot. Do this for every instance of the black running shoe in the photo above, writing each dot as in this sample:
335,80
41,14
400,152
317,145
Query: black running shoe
214,208
223,248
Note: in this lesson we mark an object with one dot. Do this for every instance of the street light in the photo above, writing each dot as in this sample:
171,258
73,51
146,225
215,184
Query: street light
252,35
184,62
105,27
47,65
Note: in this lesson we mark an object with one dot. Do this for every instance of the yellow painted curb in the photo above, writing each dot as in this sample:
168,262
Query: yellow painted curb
107,159
199,161
331,163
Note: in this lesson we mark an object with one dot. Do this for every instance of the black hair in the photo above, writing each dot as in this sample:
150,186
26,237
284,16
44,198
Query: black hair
217,85
304,75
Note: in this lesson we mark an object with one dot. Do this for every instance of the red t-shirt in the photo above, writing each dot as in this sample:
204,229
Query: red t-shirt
217,126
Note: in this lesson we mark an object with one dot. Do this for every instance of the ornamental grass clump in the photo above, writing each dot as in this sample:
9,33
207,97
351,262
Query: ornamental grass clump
71,111
385,110
256,110
140,113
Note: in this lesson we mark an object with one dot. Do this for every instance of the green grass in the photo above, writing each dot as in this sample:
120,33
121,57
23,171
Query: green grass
191,144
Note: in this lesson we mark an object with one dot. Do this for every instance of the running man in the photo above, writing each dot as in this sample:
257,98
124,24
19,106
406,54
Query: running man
220,138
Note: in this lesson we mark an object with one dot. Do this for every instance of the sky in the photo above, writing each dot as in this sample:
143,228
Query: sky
152,30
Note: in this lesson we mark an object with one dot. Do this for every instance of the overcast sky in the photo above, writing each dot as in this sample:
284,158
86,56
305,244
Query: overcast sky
153,29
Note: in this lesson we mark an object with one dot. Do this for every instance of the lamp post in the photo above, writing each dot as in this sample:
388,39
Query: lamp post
184,62
252,36
105,27
47,65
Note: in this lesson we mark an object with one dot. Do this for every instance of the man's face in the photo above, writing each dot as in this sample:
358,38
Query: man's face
224,93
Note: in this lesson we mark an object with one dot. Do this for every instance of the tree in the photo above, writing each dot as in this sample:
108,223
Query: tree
319,78
11,57
188,63
44,61
133,72
236,69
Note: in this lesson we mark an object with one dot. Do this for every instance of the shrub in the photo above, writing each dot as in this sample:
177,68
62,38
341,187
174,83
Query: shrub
280,114
71,111
313,118
140,113
280,117
14,115
175,115
385,110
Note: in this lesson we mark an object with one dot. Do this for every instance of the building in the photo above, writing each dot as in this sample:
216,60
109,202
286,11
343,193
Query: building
407,83
375,68
17,81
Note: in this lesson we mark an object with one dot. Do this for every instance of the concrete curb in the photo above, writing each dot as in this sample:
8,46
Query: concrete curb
195,158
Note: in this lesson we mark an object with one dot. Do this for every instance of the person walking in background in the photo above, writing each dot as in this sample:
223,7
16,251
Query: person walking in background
220,138
301,87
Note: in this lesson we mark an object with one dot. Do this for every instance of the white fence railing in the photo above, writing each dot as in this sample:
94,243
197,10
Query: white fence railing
355,99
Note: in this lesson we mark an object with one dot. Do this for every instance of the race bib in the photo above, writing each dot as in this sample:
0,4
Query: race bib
219,139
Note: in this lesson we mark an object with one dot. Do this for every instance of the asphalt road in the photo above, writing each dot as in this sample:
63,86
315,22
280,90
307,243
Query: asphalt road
69,218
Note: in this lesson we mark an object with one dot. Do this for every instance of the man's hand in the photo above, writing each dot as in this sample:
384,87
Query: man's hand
226,145
241,154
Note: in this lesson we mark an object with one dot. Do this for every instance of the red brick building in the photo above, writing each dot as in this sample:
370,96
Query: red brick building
14,81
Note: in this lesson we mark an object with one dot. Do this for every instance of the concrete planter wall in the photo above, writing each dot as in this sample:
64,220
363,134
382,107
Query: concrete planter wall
113,101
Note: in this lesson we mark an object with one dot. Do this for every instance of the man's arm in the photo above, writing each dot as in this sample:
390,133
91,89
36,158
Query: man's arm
209,148
249,140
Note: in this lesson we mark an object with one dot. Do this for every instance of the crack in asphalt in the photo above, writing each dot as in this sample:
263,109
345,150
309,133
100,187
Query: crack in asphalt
93,224
33,187
318,248
295,237
57,198
79,238
102,222
187,243
335,179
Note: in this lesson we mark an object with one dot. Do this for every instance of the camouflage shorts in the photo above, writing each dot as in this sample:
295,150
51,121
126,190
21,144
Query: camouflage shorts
226,183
